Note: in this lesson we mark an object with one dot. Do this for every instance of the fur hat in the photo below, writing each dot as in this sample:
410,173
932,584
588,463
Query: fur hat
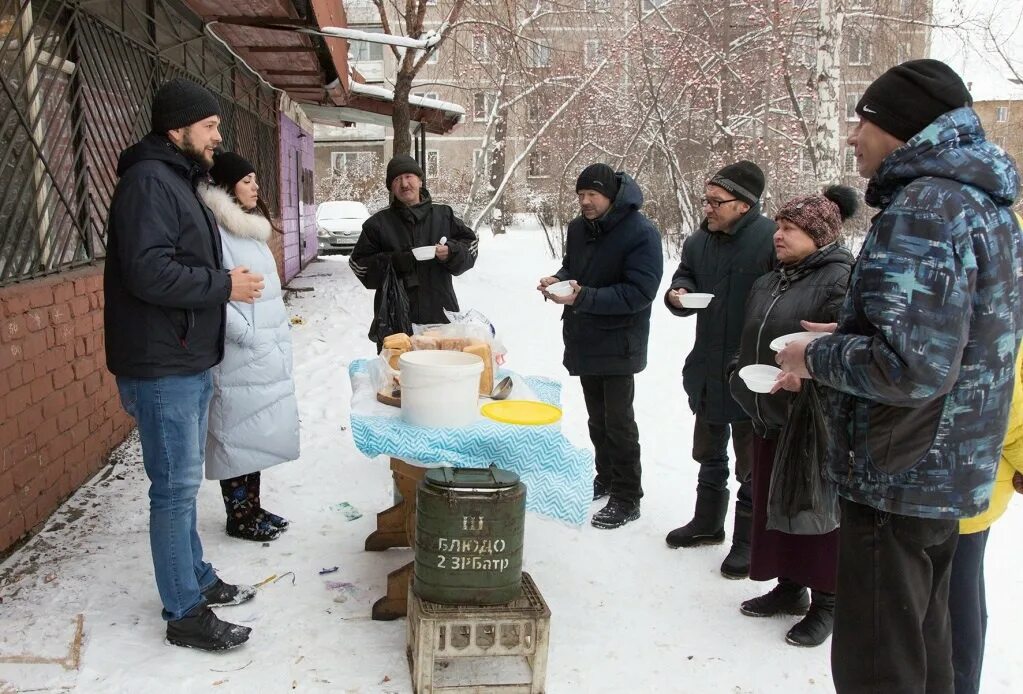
179,103
911,96
821,216
743,179
600,178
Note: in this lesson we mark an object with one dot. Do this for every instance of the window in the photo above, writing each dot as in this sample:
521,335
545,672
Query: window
538,53
804,50
532,111
593,52
850,160
851,99
598,5
343,161
537,165
363,51
483,104
480,48
432,163
433,58
427,95
1002,114
859,51
651,4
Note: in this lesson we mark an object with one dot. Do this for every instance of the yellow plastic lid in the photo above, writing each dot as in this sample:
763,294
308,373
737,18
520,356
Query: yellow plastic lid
521,412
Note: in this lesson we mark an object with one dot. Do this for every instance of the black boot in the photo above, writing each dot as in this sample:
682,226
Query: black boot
241,500
617,513
787,597
708,524
275,520
202,629
736,564
252,485
600,490
222,594
818,623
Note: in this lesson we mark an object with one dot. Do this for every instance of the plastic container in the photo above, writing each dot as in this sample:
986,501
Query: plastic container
759,378
440,388
695,300
425,252
560,288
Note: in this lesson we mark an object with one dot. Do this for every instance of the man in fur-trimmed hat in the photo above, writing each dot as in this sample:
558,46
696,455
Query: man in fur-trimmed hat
730,250
921,367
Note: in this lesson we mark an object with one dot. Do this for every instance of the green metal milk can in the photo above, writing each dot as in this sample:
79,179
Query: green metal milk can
469,527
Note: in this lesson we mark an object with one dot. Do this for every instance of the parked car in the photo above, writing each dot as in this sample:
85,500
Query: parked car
339,224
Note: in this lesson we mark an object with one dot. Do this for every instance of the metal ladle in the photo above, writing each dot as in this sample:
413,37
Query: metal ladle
502,390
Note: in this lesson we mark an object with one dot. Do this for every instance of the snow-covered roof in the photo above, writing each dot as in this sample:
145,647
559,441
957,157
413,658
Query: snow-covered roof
384,94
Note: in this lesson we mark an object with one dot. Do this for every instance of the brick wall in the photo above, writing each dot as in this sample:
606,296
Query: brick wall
60,415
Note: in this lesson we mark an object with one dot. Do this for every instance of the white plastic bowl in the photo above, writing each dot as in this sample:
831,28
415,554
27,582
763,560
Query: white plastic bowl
695,300
759,378
560,288
425,252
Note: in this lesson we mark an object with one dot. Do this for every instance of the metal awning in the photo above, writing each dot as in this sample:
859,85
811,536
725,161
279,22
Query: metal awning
313,70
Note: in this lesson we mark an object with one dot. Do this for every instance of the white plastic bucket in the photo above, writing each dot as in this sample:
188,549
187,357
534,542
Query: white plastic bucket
440,388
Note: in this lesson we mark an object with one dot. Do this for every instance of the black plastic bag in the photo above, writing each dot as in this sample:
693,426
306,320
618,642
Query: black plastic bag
392,315
801,500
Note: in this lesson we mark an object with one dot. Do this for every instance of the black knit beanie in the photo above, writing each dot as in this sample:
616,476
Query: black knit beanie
911,96
229,168
743,179
600,178
181,102
402,164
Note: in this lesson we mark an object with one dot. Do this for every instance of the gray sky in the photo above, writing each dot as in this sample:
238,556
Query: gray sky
971,49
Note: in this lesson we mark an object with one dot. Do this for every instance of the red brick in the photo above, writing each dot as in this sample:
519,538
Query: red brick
12,532
9,355
93,343
19,398
63,292
29,420
13,328
79,433
84,366
83,325
80,349
60,313
41,387
16,303
75,392
14,377
62,377
80,305
66,419
40,296
6,486
97,321
53,404
33,345
24,471
64,336
46,431
29,372
93,382
36,321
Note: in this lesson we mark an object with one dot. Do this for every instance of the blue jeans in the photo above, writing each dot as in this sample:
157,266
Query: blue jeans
172,414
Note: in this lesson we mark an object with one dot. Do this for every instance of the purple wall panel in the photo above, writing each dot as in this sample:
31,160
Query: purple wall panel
298,218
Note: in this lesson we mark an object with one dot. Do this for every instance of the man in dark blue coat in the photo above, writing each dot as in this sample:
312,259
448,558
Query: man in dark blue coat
724,257
614,262
166,292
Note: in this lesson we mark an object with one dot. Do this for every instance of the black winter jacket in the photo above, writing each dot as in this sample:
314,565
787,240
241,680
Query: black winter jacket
400,228
725,265
617,260
164,283
811,290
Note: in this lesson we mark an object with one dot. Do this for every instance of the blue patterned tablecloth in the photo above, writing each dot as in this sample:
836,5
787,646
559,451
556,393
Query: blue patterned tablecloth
558,476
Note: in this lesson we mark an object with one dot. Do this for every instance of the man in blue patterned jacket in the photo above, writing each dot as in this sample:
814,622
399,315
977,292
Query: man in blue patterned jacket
921,369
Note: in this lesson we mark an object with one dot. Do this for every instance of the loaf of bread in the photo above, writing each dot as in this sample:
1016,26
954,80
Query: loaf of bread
424,342
456,344
487,377
399,341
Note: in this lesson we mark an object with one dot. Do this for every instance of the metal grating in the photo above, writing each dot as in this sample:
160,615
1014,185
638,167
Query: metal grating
76,85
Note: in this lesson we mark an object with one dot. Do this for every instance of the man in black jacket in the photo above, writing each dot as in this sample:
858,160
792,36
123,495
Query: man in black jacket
730,250
388,237
165,296
614,261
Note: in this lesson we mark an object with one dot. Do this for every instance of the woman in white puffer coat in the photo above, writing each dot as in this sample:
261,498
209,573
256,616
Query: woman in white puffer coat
253,421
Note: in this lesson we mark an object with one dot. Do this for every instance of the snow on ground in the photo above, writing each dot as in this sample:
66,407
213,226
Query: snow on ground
628,614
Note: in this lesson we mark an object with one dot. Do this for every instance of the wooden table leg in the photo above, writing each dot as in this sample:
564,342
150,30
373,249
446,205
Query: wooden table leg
394,604
393,524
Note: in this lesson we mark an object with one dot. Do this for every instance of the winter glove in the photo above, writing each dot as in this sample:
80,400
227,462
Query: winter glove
403,261
1017,482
